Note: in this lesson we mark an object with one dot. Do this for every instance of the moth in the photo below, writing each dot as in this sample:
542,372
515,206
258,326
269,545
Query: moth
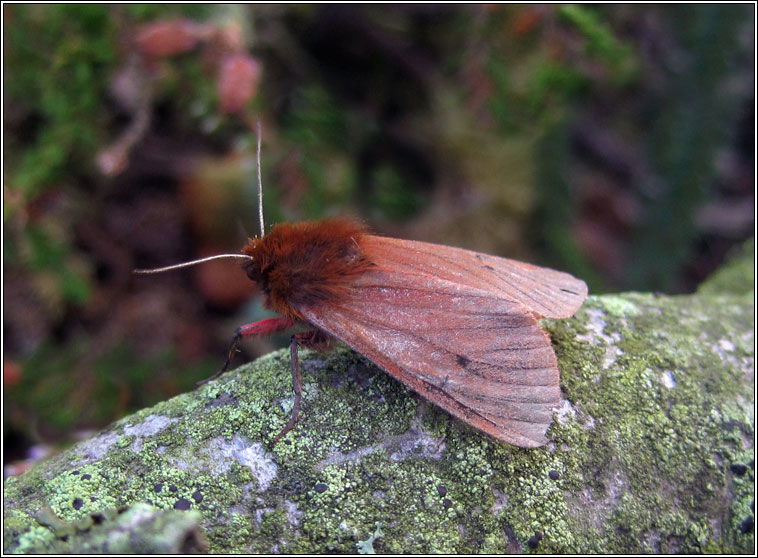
458,327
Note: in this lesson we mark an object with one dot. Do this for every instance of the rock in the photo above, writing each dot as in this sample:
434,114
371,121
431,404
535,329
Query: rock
651,452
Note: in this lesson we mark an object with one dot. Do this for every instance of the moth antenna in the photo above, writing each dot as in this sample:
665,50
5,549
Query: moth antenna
260,181
193,262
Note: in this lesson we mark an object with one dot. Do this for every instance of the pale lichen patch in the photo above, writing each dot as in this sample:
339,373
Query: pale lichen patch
248,454
150,426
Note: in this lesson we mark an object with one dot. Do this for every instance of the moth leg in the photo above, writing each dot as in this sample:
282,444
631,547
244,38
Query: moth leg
297,387
263,327
309,339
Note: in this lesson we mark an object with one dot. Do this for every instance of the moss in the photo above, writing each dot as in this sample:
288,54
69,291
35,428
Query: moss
651,455
738,276
657,418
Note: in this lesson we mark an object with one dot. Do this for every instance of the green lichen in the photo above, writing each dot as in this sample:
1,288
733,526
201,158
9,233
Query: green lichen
619,306
650,452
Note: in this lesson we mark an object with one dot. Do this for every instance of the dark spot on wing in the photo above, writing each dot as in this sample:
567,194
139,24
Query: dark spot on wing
462,360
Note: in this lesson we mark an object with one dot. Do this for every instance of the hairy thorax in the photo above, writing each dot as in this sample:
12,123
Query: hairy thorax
302,264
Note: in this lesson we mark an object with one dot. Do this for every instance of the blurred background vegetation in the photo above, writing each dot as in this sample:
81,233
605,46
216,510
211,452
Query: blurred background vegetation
613,142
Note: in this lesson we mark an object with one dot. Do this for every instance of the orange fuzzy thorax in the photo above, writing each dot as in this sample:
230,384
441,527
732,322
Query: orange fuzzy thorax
302,264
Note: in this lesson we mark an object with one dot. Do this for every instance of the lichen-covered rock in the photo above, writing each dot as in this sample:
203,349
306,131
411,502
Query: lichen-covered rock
140,528
651,451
